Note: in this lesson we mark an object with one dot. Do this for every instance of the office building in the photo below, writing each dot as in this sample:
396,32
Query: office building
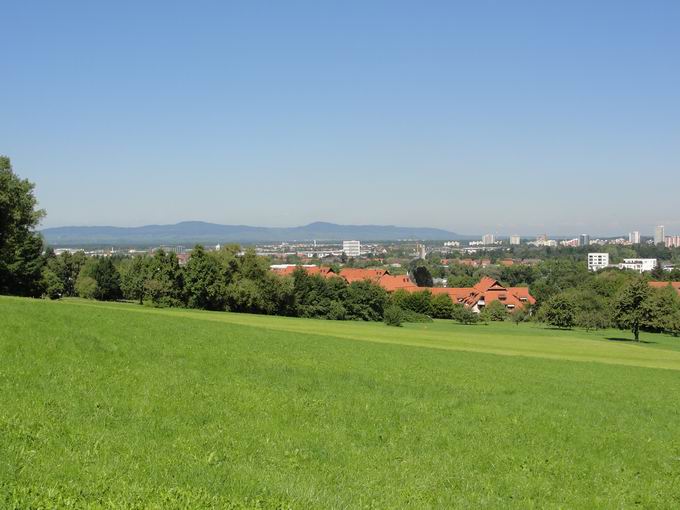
597,261
639,265
515,240
351,248
634,237
584,240
659,234
488,239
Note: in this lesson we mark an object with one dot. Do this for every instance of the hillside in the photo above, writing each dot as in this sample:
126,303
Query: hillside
114,405
201,232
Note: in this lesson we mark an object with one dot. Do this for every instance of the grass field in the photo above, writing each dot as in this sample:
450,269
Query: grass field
121,406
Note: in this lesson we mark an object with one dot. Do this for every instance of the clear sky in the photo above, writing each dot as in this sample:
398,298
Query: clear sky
473,116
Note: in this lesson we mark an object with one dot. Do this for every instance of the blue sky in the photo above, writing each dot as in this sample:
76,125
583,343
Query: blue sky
472,116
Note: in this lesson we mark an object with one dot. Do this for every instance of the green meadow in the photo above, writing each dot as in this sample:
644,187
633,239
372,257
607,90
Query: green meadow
121,406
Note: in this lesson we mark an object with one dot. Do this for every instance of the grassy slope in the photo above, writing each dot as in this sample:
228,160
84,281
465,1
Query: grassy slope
114,405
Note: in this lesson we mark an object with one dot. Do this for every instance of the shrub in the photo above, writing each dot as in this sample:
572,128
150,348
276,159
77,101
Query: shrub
393,316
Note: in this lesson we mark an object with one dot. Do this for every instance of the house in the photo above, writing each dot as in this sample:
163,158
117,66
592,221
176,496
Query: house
661,285
289,269
352,274
483,293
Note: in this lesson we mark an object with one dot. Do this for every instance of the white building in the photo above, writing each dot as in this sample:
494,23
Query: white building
452,243
597,261
639,265
672,241
659,234
584,240
488,239
515,240
351,248
634,237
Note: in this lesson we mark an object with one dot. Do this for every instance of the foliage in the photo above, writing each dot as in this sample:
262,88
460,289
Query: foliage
21,261
464,315
631,310
441,307
393,316
494,311
559,311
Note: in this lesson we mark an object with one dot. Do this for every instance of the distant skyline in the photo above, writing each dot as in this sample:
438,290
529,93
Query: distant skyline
484,117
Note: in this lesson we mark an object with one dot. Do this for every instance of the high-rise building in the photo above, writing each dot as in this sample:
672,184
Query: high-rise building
597,261
488,239
634,237
659,234
584,240
672,241
351,248
515,239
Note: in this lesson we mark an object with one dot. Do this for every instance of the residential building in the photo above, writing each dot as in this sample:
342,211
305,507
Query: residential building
488,239
659,234
634,237
351,248
289,269
515,240
672,241
584,240
597,261
639,265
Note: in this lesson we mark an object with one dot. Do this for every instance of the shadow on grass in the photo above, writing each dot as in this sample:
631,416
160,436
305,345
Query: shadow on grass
619,339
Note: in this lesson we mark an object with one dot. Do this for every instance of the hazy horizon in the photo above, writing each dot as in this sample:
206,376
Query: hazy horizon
474,118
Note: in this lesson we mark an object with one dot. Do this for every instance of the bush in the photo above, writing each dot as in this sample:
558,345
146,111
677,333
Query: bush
464,315
442,306
494,311
393,316
411,316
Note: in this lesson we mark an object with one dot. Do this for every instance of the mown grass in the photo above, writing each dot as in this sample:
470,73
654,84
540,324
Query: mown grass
117,406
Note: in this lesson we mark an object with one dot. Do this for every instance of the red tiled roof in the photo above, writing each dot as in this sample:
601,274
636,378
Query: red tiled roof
661,285
325,272
391,283
354,274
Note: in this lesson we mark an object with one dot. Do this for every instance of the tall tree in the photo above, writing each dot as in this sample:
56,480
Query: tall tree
20,246
631,309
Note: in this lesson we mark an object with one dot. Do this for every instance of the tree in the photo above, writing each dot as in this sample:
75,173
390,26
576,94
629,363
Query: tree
495,311
520,315
365,301
630,310
662,310
203,284
422,276
133,276
442,306
107,278
559,311
21,247
464,315
165,282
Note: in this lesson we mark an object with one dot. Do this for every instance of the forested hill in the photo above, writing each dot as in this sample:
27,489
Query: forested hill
202,232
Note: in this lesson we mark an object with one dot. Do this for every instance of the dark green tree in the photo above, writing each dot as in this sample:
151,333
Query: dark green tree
630,310
133,276
21,247
442,306
559,311
203,282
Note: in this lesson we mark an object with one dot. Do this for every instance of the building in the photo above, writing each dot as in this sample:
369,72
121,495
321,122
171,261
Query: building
515,240
672,241
639,265
488,239
634,237
659,234
541,238
420,248
584,240
289,269
597,261
351,248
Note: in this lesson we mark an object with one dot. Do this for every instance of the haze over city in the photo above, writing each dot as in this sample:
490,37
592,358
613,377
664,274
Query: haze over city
520,117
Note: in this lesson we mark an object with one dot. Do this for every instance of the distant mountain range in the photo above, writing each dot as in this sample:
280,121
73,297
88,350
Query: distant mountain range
189,232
